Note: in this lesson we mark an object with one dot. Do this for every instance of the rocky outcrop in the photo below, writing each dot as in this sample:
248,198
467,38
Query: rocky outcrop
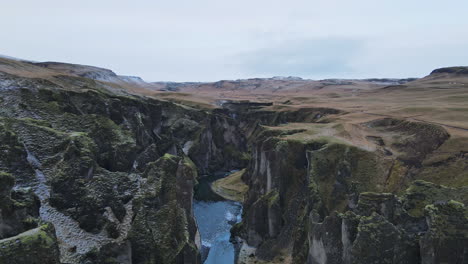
21,240
221,145
376,236
447,238
380,230
164,228
13,157
35,246
19,210
451,70
289,180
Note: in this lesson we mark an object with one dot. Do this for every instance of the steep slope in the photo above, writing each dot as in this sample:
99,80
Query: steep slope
309,181
113,171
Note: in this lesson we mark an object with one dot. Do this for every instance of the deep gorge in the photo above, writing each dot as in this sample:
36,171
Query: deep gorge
92,176
215,217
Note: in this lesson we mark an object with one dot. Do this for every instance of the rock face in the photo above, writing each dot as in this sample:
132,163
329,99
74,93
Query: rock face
164,228
447,238
19,210
21,240
114,172
325,201
290,180
380,230
220,145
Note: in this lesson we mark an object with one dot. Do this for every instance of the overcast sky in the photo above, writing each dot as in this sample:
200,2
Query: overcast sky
208,40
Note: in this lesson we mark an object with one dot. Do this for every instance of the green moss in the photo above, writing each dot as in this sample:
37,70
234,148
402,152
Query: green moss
32,246
231,187
354,169
189,163
231,152
282,145
169,158
448,219
271,198
37,235
456,205
421,194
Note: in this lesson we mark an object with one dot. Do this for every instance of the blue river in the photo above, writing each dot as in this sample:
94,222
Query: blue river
215,218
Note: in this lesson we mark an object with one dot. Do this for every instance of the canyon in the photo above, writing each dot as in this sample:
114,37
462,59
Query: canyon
101,168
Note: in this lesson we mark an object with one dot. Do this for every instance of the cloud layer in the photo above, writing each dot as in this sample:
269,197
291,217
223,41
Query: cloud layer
204,40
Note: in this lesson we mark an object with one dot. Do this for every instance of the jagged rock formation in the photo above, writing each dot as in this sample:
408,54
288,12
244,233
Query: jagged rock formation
164,230
21,239
114,173
19,209
384,223
323,200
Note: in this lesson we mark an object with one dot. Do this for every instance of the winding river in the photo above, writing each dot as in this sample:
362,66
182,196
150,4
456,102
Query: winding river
215,217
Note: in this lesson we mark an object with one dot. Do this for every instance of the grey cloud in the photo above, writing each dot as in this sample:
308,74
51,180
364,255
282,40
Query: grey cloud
305,58
208,40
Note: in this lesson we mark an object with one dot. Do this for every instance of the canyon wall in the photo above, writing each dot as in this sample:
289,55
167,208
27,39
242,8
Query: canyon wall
113,172
322,199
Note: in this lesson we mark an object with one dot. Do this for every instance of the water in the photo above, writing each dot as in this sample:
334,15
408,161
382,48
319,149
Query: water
203,191
215,218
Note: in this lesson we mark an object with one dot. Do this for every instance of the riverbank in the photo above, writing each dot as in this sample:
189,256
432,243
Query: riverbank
231,187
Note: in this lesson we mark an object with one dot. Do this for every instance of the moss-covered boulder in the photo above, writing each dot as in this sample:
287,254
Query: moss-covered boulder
35,246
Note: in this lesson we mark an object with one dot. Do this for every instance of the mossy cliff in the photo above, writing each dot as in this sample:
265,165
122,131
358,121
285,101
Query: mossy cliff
114,172
380,230
322,199
164,228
